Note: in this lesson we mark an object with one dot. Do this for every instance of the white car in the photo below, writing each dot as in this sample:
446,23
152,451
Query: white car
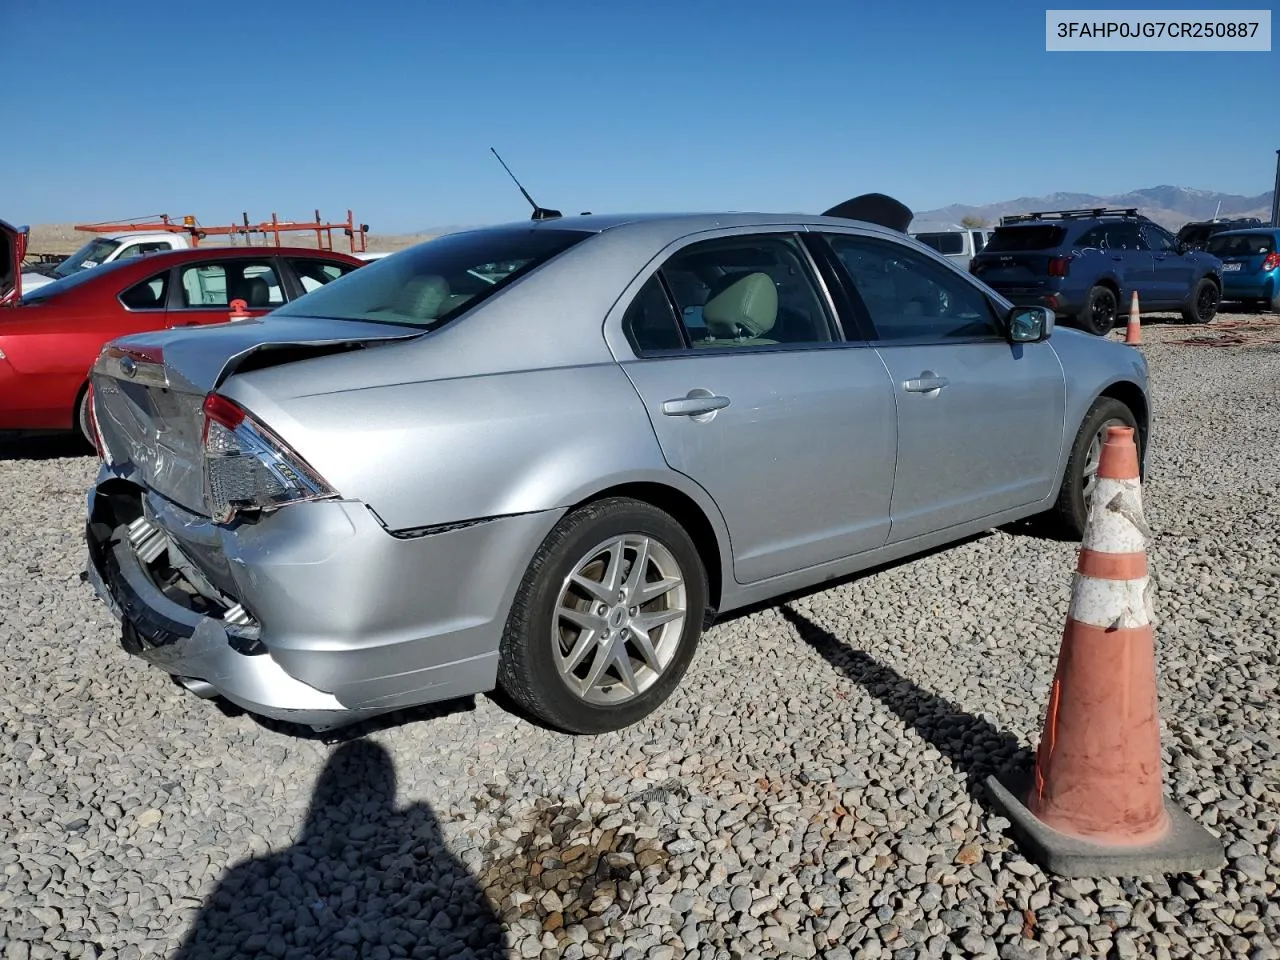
104,249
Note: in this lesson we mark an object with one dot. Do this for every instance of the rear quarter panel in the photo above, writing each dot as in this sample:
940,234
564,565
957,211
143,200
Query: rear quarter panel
444,450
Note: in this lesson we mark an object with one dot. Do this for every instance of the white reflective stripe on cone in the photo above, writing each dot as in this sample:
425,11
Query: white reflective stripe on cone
1111,604
1112,529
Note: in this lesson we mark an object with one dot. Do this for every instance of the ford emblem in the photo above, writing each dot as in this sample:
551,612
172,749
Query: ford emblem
128,366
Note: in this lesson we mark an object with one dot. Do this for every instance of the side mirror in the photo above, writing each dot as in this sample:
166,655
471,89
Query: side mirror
1030,324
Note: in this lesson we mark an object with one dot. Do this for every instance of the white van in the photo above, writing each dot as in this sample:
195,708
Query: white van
955,242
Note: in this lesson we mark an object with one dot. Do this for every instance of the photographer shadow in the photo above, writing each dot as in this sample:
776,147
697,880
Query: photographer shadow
365,879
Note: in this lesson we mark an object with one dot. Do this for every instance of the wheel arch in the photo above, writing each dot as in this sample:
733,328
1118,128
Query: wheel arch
708,537
1131,395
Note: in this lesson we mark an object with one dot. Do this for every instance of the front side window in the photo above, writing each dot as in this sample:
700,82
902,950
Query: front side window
911,299
428,285
746,291
1156,238
216,284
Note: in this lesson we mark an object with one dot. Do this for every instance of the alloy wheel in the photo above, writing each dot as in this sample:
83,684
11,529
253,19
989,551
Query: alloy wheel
618,619
1089,472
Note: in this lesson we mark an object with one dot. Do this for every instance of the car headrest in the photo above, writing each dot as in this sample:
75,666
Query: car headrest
746,308
423,297
257,292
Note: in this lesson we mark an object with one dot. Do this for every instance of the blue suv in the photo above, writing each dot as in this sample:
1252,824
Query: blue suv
1086,264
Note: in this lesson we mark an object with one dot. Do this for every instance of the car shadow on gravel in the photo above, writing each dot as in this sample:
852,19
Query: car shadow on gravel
60,446
971,744
365,879
352,731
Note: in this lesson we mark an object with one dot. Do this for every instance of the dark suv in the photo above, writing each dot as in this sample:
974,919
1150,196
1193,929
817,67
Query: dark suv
1086,264
1196,234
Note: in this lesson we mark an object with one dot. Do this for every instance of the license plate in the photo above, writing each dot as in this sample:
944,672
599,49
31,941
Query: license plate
1231,267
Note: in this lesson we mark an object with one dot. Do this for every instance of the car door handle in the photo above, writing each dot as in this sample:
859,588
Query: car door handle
694,405
925,383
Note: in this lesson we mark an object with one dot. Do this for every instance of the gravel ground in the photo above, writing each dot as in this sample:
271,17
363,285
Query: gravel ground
814,788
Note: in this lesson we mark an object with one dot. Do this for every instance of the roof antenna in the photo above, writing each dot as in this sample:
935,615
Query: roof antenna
539,213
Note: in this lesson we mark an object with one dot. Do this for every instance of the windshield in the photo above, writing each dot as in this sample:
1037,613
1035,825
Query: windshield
1241,245
92,254
1039,237
428,285
50,290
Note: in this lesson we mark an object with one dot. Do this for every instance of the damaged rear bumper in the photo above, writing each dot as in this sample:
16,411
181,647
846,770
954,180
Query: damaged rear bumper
315,615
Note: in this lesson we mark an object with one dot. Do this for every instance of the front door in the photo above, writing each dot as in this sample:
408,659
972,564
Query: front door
753,395
1172,273
980,420
206,289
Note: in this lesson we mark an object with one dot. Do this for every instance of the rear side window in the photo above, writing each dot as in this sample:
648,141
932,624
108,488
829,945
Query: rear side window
1241,245
314,274
428,285
217,284
944,242
1034,237
150,294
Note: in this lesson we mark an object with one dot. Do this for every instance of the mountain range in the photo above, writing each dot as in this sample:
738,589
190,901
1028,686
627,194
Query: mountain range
1167,205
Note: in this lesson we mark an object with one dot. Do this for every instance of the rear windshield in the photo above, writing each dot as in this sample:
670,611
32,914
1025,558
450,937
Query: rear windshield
1241,244
427,285
1033,237
943,241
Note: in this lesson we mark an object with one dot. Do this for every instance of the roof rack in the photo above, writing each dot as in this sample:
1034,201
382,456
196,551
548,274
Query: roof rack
1078,214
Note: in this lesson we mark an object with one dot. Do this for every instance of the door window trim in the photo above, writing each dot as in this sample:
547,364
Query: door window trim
820,279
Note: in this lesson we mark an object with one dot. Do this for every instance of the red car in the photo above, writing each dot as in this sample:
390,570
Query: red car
50,337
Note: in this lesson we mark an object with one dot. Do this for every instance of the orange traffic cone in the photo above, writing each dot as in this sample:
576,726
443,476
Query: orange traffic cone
1133,332
1095,805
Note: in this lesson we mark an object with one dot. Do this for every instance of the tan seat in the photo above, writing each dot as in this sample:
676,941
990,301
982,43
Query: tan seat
422,298
742,313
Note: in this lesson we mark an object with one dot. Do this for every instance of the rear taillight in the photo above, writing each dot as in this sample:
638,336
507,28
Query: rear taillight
1058,266
247,468
1272,261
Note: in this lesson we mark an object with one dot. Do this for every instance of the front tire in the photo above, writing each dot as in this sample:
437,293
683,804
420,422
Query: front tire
1071,512
607,618
1203,304
1100,311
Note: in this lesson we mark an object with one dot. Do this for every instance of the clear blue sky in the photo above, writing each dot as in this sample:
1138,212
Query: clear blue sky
129,109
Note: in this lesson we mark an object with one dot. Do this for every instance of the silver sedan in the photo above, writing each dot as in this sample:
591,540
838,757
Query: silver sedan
544,456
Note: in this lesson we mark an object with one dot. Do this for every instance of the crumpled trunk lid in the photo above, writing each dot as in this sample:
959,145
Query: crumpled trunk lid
149,389
13,248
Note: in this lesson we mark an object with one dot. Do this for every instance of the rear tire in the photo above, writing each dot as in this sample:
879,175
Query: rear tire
1100,311
83,425
1203,304
1071,511
572,656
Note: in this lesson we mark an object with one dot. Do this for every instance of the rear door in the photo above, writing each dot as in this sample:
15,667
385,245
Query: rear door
755,395
980,420
204,289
